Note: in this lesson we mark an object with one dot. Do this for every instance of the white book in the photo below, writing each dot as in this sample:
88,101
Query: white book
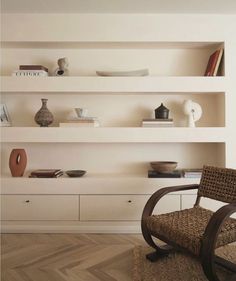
157,125
79,124
157,122
30,73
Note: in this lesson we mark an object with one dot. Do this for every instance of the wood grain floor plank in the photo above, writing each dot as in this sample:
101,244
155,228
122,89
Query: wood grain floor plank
68,257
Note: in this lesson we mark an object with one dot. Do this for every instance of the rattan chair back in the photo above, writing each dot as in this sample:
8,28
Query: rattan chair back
218,183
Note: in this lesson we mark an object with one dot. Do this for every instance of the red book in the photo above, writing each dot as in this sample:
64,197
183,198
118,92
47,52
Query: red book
212,63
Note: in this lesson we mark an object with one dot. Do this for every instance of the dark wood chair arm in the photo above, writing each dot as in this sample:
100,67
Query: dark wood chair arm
151,203
210,236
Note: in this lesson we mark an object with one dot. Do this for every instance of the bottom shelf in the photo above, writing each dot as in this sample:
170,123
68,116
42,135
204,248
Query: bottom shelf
91,184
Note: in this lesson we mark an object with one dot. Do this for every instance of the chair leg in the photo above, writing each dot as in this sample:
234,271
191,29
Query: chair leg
161,251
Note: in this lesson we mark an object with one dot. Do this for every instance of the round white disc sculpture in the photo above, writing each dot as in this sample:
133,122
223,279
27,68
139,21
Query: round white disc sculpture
193,110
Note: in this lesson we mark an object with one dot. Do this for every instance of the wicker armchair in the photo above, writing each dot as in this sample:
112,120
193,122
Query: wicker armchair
196,230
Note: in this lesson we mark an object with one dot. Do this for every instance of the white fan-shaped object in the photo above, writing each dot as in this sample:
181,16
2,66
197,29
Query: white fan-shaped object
193,110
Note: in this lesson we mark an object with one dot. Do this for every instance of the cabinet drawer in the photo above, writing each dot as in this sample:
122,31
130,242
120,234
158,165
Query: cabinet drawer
122,207
40,207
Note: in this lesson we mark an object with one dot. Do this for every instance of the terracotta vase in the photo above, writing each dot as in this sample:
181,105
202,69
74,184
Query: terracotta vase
17,162
43,117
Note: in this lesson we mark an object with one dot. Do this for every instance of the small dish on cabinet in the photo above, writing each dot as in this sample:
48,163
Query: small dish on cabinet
75,173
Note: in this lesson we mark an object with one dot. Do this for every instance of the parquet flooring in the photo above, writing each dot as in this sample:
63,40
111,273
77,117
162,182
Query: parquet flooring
70,257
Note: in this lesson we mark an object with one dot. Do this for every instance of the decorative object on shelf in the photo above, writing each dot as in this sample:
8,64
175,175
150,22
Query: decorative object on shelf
194,112
46,173
75,173
62,70
162,112
139,72
44,117
4,116
152,123
163,166
214,61
81,112
17,162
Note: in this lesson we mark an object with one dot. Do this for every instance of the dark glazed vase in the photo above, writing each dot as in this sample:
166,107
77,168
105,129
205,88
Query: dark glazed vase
161,112
17,162
43,117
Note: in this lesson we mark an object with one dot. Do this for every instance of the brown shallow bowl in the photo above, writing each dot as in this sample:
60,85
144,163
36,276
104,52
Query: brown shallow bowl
75,173
164,166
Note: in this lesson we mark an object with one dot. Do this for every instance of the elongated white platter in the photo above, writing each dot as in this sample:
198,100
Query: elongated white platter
139,72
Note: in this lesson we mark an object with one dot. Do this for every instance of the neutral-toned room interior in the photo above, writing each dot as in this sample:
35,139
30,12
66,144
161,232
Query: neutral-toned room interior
144,86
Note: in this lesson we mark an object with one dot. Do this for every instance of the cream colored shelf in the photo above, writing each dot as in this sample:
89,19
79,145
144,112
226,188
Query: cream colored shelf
92,184
95,84
113,135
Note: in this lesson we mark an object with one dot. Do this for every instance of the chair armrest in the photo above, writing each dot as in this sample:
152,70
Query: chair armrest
150,205
210,237
214,225
153,200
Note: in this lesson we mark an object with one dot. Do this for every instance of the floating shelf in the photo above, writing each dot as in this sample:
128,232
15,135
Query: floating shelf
113,135
92,184
95,84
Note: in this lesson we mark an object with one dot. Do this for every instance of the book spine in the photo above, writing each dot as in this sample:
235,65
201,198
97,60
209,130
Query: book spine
33,67
218,62
31,73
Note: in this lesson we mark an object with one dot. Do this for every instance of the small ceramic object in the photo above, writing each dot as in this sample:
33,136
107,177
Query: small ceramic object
161,112
43,117
75,173
164,166
194,112
17,162
81,112
62,69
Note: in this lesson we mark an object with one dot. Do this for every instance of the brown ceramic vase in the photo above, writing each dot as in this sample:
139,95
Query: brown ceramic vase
17,162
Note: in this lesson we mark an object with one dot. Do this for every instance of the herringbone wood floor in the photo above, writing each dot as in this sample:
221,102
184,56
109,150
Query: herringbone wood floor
70,257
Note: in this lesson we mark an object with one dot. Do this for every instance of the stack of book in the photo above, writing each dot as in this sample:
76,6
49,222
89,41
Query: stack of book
31,70
81,122
214,63
174,174
46,173
157,123
192,173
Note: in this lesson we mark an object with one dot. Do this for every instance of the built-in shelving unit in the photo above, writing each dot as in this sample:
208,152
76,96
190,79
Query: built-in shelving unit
117,154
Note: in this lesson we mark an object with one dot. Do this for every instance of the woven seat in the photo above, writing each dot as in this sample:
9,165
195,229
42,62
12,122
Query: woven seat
186,228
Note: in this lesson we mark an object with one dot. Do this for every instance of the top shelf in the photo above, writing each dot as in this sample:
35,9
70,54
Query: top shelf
111,44
96,84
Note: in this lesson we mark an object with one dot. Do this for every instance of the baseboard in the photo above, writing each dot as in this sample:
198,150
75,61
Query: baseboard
69,229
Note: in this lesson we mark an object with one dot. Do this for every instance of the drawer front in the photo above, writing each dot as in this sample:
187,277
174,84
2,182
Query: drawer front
122,207
40,207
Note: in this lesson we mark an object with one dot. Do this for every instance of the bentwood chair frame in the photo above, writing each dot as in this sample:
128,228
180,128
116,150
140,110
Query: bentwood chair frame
218,184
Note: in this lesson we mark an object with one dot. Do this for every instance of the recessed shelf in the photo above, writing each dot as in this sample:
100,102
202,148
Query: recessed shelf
95,84
113,135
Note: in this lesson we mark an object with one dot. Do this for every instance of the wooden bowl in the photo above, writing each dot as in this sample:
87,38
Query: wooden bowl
75,173
164,166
